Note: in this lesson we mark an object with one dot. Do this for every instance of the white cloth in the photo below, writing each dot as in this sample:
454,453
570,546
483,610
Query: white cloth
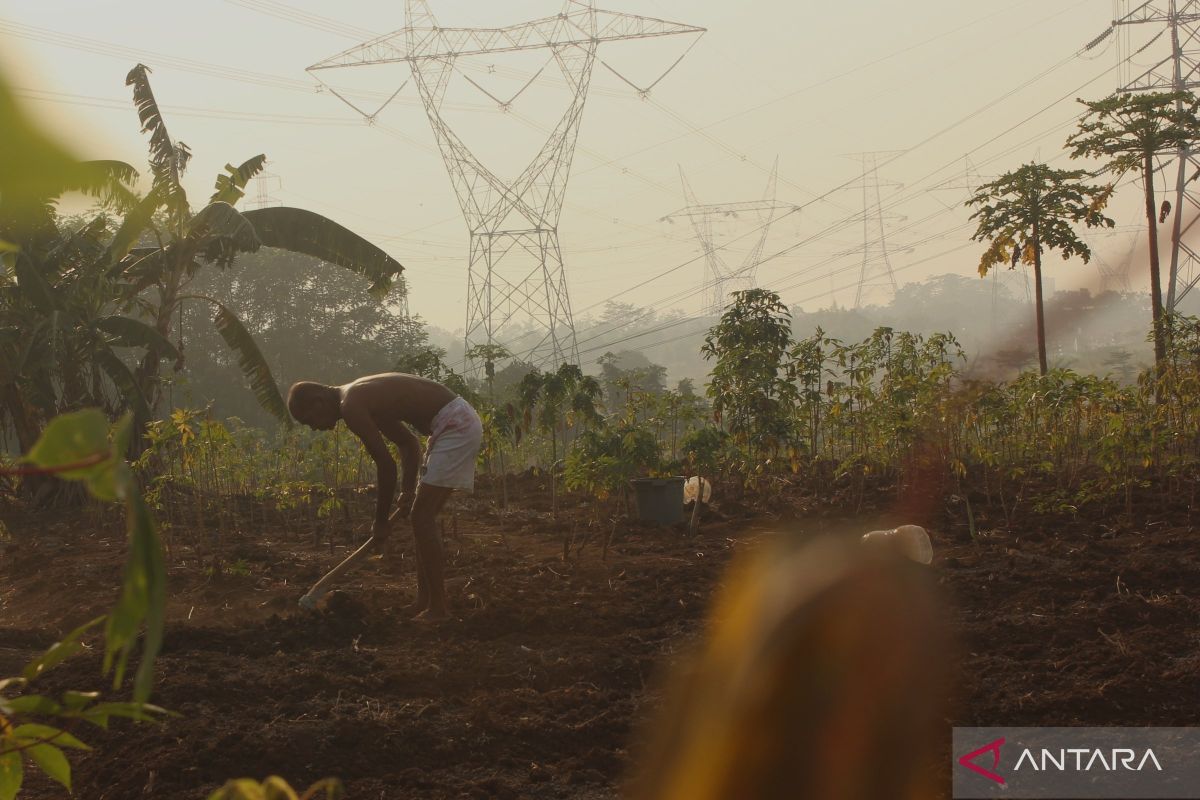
454,440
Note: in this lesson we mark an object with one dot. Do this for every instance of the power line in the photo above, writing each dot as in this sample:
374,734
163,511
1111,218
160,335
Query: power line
826,231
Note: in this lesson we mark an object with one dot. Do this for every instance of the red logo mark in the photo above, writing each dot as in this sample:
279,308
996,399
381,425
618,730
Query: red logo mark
994,747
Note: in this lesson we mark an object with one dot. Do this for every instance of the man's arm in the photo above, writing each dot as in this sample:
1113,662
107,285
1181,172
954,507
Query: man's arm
361,424
410,461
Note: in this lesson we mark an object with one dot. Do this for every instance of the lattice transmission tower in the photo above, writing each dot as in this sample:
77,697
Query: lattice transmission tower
721,280
264,184
516,270
1175,55
876,271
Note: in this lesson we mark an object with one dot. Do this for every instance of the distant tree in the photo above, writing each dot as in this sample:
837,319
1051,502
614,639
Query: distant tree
311,320
429,361
556,401
1013,358
750,387
1120,361
1128,131
1031,210
626,372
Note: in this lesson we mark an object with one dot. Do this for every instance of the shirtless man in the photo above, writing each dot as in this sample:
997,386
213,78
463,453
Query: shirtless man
379,406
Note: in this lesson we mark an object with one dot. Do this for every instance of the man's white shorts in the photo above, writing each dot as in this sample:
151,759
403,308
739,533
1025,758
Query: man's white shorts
455,437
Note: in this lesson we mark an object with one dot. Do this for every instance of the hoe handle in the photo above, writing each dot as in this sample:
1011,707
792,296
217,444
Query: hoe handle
321,587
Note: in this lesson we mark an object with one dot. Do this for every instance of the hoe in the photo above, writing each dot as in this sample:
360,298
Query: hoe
321,588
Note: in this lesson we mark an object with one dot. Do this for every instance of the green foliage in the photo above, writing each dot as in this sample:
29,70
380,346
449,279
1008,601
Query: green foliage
1031,210
314,235
41,743
36,170
231,188
706,450
602,460
557,402
276,788
1124,129
83,447
429,362
168,160
750,386
251,361
1127,131
79,294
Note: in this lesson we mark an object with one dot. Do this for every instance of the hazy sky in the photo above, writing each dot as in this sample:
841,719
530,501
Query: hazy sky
808,83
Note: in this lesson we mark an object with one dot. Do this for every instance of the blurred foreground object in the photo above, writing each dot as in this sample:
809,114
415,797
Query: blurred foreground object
32,167
910,540
692,488
824,675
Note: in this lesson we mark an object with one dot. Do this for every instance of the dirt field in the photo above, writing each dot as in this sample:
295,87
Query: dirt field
534,690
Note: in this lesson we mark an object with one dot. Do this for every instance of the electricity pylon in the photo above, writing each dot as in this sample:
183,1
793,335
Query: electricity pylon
719,279
516,266
1178,70
263,183
876,269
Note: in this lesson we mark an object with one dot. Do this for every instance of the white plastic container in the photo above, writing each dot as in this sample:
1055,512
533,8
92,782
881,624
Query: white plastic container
911,540
692,488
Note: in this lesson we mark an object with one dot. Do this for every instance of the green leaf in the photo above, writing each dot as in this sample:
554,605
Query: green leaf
138,712
113,479
230,188
11,773
168,160
143,598
74,701
135,223
240,789
34,286
145,267
34,732
108,181
276,788
331,787
129,332
32,165
83,246
122,377
31,704
59,651
309,233
251,360
71,438
52,762
220,231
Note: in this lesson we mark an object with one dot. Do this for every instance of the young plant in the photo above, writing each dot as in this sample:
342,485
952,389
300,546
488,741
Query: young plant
83,447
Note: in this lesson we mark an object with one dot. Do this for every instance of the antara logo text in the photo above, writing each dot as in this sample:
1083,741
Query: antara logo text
1063,759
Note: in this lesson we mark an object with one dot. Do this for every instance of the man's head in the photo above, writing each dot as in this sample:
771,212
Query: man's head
315,405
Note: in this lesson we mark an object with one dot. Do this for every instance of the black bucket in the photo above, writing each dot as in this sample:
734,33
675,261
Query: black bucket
659,499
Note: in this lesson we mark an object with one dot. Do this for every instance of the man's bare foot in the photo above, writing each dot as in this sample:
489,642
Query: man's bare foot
429,615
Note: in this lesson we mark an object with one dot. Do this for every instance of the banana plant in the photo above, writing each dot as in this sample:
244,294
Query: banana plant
80,303
60,335
162,244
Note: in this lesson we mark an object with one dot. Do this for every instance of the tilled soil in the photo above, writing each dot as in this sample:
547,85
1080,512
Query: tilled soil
536,687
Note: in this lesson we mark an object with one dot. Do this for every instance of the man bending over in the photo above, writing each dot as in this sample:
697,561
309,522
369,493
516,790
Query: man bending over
384,405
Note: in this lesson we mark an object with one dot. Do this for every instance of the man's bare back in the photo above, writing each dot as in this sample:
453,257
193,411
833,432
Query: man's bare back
396,396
